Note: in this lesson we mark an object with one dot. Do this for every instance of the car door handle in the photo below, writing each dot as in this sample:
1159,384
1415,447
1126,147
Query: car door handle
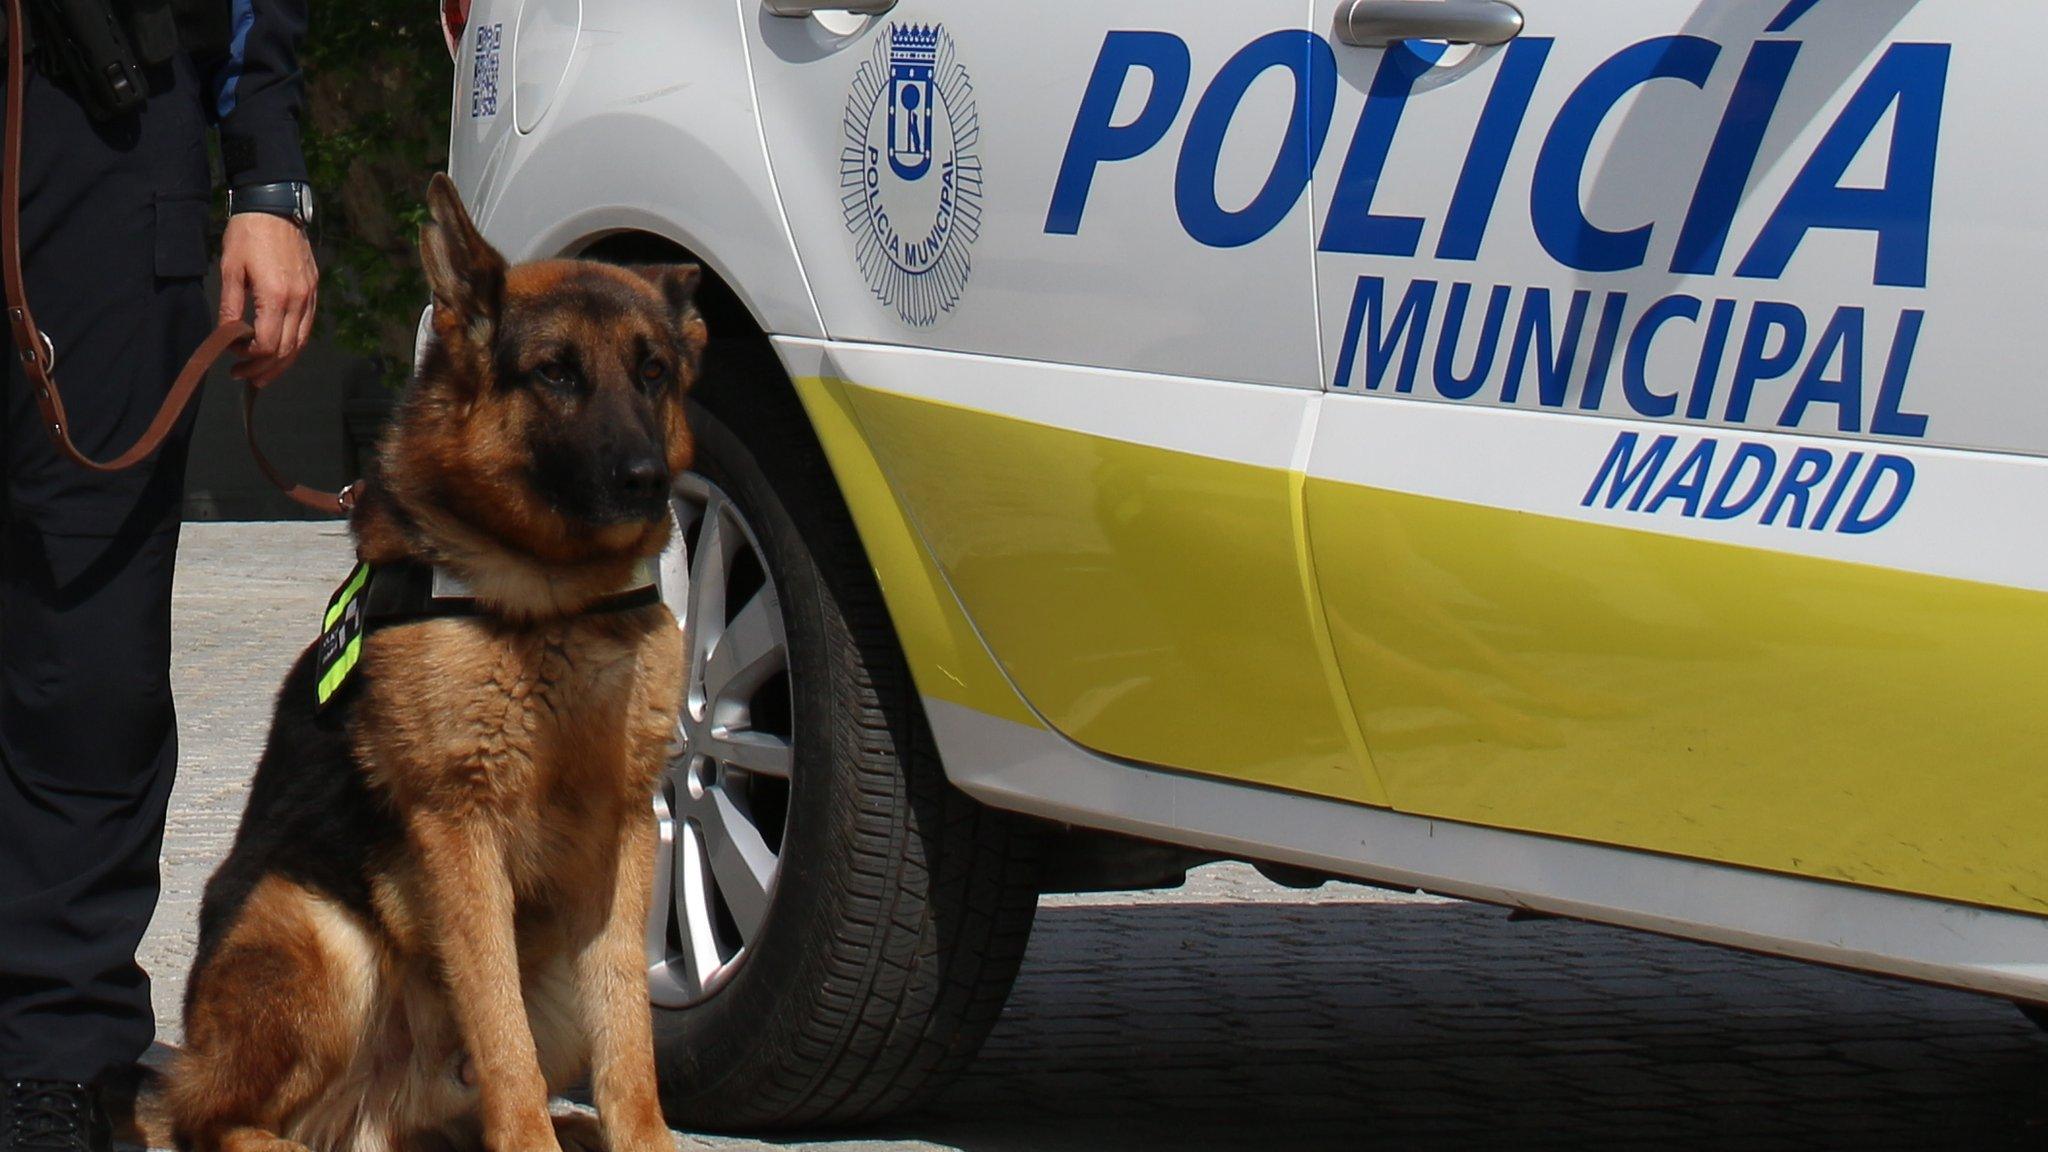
797,9
1380,23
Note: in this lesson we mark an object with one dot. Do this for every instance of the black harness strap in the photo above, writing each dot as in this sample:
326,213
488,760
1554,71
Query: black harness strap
404,591
381,595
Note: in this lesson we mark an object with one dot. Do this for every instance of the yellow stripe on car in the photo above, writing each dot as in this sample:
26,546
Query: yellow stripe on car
1806,715
1146,602
1795,713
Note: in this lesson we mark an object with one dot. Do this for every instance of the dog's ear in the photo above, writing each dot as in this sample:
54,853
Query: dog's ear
465,274
678,286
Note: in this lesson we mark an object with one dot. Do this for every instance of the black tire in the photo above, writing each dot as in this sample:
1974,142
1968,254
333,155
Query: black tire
2038,1013
902,908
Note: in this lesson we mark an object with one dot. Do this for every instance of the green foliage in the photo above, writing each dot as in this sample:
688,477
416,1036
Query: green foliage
378,84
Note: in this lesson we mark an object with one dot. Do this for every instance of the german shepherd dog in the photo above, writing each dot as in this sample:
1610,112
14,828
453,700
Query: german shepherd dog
434,911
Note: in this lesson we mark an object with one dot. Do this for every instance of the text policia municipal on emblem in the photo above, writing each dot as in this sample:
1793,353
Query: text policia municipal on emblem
1714,358
910,175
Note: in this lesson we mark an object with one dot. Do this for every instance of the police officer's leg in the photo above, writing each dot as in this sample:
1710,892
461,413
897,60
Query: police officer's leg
87,748
113,231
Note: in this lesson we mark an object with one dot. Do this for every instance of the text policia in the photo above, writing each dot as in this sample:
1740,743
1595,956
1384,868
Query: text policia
1761,362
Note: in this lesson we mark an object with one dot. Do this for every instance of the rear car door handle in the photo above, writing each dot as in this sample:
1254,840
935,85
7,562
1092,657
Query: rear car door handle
797,9
1381,23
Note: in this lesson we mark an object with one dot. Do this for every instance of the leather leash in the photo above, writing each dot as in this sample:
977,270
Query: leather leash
39,356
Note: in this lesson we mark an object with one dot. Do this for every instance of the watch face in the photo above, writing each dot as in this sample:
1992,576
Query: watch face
305,205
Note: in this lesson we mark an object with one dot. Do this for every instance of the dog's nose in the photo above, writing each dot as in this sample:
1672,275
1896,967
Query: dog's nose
643,478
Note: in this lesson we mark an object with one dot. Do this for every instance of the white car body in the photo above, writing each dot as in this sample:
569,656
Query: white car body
1601,473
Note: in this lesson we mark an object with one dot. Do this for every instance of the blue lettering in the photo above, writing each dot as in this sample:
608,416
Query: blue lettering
1900,469
1809,467
1635,382
1732,157
1914,77
1553,361
1835,490
1627,471
1844,334
1449,383
1791,14
1753,364
1689,483
1500,122
1630,472
1604,338
1094,139
1554,205
1711,353
1719,506
1349,225
1888,420
1411,319
1314,67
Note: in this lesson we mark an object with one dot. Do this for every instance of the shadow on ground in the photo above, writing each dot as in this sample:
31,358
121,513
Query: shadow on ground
1347,1026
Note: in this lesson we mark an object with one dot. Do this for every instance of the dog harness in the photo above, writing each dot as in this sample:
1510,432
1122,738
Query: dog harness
377,595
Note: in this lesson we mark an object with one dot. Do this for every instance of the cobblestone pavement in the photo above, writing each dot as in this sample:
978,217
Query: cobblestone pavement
1233,1014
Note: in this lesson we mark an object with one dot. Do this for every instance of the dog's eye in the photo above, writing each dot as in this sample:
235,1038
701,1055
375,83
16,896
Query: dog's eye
560,377
653,374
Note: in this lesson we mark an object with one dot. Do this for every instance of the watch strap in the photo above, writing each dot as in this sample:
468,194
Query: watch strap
283,198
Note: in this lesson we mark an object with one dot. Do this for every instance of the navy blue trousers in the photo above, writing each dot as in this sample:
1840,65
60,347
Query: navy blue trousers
114,243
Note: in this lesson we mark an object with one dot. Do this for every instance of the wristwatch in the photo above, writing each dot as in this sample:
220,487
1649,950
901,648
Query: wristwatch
291,199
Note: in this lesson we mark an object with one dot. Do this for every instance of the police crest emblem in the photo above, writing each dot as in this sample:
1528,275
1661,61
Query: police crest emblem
910,174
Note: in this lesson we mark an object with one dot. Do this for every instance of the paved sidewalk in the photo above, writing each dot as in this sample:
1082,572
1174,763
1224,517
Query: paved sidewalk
1236,1015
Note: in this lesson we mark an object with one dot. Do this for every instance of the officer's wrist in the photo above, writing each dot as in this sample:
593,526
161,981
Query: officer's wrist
289,199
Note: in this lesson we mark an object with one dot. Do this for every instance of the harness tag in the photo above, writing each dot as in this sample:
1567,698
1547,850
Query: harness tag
341,636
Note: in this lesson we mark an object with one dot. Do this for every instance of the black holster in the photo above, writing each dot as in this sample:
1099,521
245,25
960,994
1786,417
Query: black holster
103,48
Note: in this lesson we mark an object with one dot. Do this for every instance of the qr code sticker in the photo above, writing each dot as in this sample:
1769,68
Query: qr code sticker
483,86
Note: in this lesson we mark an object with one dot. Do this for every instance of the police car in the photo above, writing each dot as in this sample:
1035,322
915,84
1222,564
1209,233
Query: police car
1584,455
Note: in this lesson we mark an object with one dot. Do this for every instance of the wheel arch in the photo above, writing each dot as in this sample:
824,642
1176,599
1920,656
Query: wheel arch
755,380
898,910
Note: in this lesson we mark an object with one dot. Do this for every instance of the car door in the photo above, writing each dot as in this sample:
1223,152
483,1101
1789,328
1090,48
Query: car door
1063,255
1678,481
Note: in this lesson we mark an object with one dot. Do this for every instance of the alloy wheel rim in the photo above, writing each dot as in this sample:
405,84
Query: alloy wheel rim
723,803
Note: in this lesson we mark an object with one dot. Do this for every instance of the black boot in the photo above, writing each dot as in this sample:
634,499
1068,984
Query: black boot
52,1116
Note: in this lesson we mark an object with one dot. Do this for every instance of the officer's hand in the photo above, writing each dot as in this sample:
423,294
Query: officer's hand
267,265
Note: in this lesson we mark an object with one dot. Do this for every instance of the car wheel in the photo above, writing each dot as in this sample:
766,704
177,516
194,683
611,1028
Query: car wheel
835,927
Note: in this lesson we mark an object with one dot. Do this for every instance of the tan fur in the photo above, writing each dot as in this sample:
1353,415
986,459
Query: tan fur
520,750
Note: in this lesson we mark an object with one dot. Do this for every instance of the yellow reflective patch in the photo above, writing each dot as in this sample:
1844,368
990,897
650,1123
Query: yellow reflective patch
347,592
341,636
332,678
